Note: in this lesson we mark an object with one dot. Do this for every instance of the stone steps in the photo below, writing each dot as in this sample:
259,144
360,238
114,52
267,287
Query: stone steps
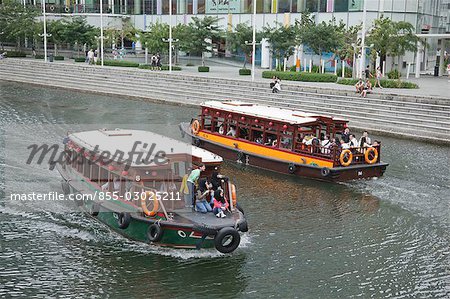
156,94
431,119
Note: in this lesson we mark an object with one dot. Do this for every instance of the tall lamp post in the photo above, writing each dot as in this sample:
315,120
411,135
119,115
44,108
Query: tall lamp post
45,35
254,40
363,40
101,32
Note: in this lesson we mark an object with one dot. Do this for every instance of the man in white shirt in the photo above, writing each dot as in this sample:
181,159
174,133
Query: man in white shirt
231,132
353,141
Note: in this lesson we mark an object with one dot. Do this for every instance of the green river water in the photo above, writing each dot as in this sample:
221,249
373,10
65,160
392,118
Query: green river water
380,238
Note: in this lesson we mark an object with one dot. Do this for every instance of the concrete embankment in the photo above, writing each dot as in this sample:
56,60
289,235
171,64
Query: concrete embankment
417,117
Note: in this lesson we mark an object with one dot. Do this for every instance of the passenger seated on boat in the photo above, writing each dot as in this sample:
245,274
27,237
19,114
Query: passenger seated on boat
221,129
231,132
259,140
204,195
275,143
116,185
325,145
353,141
315,145
365,141
220,204
344,145
308,139
376,143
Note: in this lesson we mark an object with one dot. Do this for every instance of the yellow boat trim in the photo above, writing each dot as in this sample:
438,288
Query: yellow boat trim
263,151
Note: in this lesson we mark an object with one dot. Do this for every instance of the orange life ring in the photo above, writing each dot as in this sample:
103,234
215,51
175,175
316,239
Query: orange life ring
233,194
342,157
375,155
195,126
155,204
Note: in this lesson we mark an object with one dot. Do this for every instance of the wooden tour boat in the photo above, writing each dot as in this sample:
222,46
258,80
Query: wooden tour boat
142,200
273,138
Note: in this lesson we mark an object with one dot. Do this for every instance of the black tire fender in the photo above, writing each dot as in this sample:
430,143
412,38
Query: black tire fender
223,235
197,142
292,168
240,209
203,229
154,232
325,171
124,220
243,226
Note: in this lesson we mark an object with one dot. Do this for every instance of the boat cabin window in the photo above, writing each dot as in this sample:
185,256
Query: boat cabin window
95,171
257,133
207,122
286,140
243,131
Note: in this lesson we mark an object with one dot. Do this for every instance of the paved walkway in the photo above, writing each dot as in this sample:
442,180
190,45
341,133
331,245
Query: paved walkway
436,87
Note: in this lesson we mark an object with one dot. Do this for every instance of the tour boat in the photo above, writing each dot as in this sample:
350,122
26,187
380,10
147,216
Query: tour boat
138,194
274,138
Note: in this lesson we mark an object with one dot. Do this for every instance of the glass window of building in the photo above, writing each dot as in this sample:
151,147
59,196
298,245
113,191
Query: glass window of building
322,5
311,5
340,5
267,7
284,6
201,6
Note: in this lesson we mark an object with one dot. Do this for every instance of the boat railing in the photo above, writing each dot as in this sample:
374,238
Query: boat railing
359,155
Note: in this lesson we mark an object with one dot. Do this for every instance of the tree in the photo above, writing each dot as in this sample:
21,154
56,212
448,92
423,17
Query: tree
282,40
57,29
237,40
199,36
324,37
153,38
81,33
17,22
391,38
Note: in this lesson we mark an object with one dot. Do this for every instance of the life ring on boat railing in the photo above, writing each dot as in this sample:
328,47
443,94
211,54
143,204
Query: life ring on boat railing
195,126
325,171
292,168
227,240
95,209
154,232
233,195
123,220
346,154
144,207
374,152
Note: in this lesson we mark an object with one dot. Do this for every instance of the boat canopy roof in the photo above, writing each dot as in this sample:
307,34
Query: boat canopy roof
294,117
123,140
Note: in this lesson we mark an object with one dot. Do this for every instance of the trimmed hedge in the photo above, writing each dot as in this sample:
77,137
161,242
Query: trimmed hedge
80,59
121,63
245,72
190,64
39,56
384,82
163,68
203,69
302,76
59,57
15,54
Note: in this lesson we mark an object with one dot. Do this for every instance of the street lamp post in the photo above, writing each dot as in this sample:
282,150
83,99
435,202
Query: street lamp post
254,40
101,32
363,40
45,35
170,36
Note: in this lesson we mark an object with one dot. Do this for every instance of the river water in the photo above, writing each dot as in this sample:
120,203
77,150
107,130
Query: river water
381,238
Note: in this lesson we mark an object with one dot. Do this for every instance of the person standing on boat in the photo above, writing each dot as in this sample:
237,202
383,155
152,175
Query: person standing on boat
192,180
184,189
346,135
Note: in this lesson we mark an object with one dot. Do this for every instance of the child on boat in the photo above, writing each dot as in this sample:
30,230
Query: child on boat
220,204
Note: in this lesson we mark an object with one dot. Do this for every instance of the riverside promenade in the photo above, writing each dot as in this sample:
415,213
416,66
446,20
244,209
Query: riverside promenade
418,114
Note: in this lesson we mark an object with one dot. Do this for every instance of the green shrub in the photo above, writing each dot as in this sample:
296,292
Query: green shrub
80,59
348,73
394,74
203,69
59,57
163,68
301,76
121,63
245,72
385,83
39,56
15,54
189,64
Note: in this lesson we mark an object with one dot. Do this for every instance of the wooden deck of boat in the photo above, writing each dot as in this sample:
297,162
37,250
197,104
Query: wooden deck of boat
186,215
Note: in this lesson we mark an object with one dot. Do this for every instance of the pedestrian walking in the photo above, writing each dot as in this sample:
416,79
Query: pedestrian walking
33,49
379,76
